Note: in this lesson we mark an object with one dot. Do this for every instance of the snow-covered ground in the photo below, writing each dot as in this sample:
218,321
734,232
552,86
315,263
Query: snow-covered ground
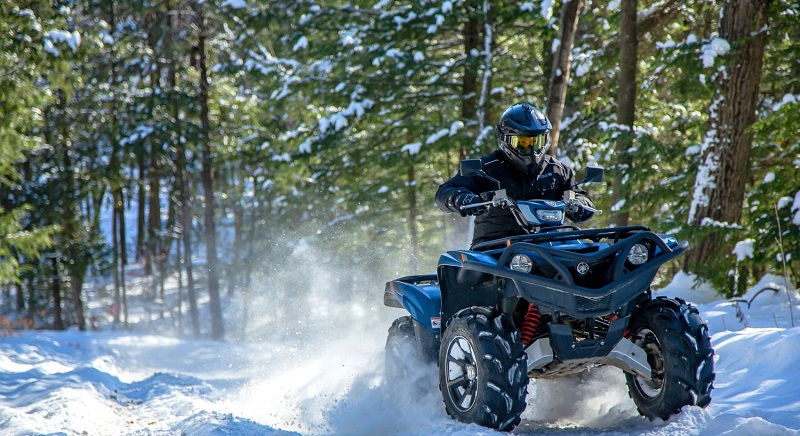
312,363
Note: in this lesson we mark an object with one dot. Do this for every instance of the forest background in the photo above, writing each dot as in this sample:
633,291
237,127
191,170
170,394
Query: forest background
214,137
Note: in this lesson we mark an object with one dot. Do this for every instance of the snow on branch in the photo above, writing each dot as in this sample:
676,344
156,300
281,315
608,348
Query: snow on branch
717,47
73,40
743,250
412,148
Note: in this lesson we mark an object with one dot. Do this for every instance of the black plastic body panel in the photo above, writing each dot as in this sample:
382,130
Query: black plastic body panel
626,284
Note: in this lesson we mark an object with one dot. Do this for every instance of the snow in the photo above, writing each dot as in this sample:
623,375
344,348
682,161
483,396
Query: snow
441,133
314,366
787,99
456,126
447,6
300,44
546,9
283,157
412,148
666,45
796,209
305,147
693,150
556,45
73,39
743,250
235,4
717,47
706,173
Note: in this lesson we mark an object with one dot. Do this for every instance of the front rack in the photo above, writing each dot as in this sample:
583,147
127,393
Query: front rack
554,235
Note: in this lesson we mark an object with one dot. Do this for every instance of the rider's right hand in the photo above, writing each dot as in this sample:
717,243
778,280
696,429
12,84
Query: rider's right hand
466,199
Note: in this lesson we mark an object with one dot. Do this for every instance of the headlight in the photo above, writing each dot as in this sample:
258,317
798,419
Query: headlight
638,254
550,215
521,263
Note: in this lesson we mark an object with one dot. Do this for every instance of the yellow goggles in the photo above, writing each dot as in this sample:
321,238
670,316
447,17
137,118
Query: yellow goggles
523,142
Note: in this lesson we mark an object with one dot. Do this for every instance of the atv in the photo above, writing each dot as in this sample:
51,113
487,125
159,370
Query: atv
550,303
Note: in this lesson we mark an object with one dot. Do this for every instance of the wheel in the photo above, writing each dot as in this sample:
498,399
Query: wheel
401,352
680,356
483,369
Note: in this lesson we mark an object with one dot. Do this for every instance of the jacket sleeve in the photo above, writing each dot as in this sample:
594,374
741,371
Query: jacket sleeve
449,190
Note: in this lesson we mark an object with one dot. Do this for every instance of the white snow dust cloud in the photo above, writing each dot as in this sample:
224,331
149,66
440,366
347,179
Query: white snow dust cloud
597,398
322,325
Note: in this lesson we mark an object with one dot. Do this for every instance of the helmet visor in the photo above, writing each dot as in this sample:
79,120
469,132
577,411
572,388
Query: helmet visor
528,144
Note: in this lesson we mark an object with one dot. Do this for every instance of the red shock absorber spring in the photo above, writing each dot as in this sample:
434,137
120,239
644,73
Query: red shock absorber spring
530,324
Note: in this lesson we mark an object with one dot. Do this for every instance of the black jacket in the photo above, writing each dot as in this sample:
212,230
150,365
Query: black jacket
548,182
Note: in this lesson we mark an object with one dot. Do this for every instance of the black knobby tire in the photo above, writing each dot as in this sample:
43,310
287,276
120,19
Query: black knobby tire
483,369
401,352
680,355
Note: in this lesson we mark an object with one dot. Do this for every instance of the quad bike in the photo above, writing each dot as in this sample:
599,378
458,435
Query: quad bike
546,304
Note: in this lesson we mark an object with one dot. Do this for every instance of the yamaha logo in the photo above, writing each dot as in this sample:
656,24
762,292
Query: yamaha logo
582,268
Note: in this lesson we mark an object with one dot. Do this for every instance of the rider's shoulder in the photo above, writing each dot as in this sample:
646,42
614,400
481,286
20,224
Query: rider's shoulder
492,159
554,162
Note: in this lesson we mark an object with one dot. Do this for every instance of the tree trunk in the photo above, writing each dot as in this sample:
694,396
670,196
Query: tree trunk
469,84
32,303
485,116
118,212
76,287
153,212
141,198
76,257
164,248
412,218
123,261
217,328
58,321
562,63
469,106
183,188
721,180
179,308
20,294
234,269
626,107
186,233
115,260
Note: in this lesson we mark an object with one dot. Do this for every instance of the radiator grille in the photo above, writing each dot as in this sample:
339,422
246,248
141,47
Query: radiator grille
591,304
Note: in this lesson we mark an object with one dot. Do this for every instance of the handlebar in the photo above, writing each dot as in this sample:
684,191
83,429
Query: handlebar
590,209
500,199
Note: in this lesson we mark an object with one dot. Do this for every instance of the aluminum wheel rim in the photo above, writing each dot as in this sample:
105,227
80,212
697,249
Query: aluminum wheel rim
462,373
649,342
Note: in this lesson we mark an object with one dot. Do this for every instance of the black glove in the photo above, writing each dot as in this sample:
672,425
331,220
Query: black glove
578,214
465,199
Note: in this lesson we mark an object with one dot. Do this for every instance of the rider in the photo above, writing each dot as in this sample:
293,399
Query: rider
524,170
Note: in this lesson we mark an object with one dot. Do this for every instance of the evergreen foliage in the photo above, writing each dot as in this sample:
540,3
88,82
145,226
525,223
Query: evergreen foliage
333,123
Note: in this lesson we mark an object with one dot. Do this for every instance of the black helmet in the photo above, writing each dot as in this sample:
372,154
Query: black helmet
523,134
